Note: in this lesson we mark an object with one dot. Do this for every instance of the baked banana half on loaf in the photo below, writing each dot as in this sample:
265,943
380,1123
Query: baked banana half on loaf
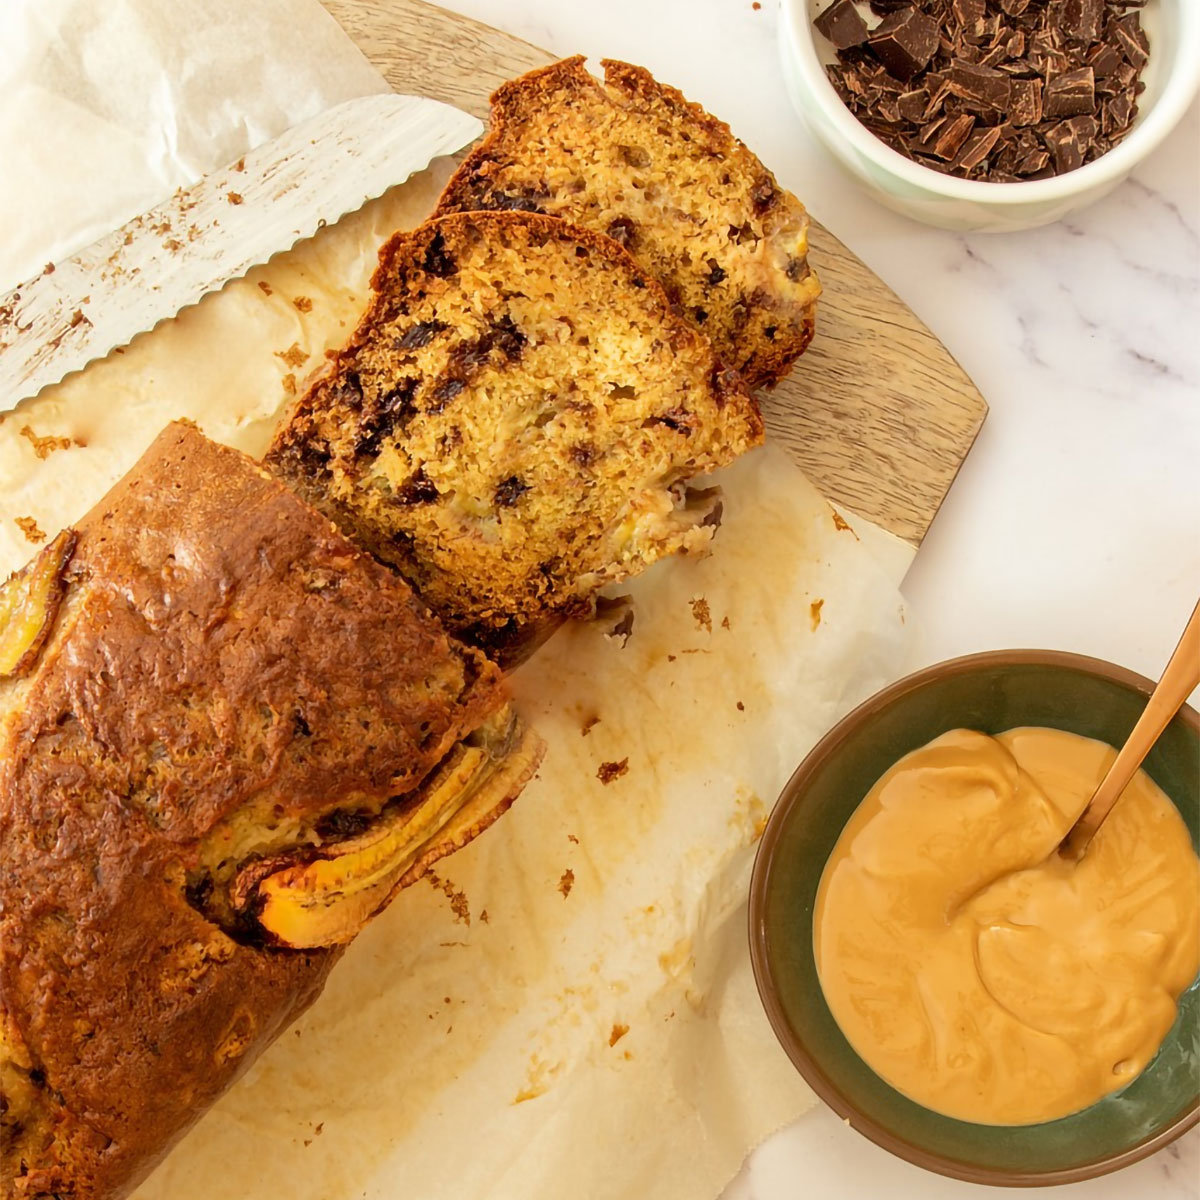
513,423
633,159
227,737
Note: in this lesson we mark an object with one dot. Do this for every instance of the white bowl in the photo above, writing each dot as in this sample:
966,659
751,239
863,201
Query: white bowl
1172,77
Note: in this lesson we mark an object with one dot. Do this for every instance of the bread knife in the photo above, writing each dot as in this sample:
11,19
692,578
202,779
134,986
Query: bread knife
283,191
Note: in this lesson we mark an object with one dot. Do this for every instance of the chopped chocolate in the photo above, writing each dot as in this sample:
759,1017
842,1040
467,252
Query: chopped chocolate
905,41
950,139
1078,19
842,26
996,90
983,85
977,147
971,16
1025,101
1131,37
1070,95
1068,142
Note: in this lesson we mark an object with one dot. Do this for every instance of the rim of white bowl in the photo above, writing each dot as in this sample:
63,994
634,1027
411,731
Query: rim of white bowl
1180,86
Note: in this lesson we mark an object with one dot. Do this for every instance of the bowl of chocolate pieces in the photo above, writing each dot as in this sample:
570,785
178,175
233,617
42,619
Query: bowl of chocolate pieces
990,114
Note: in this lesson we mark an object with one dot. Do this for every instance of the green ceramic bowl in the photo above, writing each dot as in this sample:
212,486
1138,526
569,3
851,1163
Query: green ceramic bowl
989,692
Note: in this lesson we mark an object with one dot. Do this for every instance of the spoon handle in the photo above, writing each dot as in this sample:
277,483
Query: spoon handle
1181,676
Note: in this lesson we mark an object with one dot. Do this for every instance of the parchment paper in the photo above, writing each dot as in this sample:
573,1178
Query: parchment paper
566,1008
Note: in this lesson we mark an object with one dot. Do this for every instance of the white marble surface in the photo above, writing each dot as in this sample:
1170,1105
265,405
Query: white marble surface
1075,522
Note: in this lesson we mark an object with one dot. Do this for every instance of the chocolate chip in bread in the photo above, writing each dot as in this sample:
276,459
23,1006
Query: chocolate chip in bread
633,159
513,423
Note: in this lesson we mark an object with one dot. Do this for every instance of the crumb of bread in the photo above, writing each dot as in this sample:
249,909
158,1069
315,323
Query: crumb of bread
43,447
608,771
29,527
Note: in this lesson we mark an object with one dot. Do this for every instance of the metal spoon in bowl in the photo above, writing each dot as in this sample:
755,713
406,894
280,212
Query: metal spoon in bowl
1180,677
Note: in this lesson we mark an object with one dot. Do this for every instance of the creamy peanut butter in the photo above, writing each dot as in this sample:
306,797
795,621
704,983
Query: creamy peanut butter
971,967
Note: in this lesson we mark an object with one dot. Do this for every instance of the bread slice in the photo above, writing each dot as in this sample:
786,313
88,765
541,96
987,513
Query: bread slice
633,159
211,698
513,421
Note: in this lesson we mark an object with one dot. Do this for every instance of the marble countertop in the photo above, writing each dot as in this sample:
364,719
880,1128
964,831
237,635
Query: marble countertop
1075,522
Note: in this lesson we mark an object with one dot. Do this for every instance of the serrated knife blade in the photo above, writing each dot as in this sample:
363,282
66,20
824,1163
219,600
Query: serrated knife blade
154,266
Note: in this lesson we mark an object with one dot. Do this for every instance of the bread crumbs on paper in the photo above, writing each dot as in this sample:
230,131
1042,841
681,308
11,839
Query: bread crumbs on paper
814,613
841,525
303,303
43,447
608,771
293,356
458,900
566,883
289,383
702,615
483,916
233,197
29,527
573,839
741,707
589,725
725,623
266,288
618,1032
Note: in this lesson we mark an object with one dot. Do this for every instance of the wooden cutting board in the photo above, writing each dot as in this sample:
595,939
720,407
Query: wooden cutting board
877,412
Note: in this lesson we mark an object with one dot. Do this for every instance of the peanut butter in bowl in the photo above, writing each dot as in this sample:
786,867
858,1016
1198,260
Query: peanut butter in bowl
971,967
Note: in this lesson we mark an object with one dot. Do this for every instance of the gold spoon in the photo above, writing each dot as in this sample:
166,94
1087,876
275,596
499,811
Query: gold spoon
1180,677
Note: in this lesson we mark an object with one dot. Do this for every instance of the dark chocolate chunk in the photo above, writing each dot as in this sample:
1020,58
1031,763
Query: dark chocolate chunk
905,41
417,489
509,491
437,261
419,335
971,16
977,147
1129,35
842,25
1080,20
1069,141
981,84
1025,101
949,141
1071,94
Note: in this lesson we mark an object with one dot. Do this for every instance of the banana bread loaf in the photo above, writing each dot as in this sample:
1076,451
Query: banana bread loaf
513,421
635,160
226,738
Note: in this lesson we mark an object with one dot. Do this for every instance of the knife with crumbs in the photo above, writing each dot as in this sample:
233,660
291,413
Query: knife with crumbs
276,195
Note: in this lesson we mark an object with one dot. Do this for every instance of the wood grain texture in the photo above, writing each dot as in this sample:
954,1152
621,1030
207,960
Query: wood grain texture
877,412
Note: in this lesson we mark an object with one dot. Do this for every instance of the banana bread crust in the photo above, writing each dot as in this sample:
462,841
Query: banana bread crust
636,160
218,643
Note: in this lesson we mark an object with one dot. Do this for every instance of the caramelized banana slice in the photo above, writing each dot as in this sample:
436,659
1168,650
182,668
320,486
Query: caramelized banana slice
29,601
325,901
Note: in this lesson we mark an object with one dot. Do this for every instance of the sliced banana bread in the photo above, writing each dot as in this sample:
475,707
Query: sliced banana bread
632,158
512,423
